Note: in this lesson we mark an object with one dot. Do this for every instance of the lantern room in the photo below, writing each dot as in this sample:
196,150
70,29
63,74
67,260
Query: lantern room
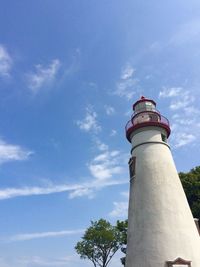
145,114
144,104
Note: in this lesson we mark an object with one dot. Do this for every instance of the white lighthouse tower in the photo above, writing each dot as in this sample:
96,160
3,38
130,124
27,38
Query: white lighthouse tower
161,228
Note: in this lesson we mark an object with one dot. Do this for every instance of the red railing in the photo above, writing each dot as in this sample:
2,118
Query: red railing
150,121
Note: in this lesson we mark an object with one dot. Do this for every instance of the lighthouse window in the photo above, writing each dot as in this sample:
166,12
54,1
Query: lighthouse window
132,167
164,138
149,104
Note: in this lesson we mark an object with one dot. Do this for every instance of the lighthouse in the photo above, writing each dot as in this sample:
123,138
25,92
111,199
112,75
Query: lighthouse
161,228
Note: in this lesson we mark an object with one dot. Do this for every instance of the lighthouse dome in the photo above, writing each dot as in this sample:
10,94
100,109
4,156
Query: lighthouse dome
144,104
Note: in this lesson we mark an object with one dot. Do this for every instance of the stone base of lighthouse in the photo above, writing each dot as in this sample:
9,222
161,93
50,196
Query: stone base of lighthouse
161,228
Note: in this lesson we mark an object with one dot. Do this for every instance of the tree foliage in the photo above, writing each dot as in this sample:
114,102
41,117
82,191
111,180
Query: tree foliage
123,228
191,185
100,242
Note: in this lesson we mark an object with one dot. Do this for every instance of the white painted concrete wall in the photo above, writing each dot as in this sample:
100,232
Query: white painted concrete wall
160,224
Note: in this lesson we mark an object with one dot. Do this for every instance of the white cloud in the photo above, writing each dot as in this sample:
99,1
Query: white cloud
113,132
127,72
180,98
170,92
101,146
9,152
106,164
70,260
126,83
105,170
43,75
184,121
184,101
183,139
192,110
89,123
109,110
120,207
80,192
7,193
5,62
30,236
75,190
125,88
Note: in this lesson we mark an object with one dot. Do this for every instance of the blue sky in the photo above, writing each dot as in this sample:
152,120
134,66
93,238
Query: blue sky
69,74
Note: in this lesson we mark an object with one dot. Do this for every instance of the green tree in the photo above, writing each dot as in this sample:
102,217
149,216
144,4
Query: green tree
191,185
123,228
100,242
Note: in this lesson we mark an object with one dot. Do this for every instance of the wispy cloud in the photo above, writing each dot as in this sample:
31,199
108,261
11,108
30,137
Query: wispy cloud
88,189
106,164
109,110
184,101
180,98
100,145
183,139
120,207
113,132
127,72
105,169
43,75
184,121
72,260
89,123
75,190
30,236
5,62
10,152
170,92
127,83
80,192
7,193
